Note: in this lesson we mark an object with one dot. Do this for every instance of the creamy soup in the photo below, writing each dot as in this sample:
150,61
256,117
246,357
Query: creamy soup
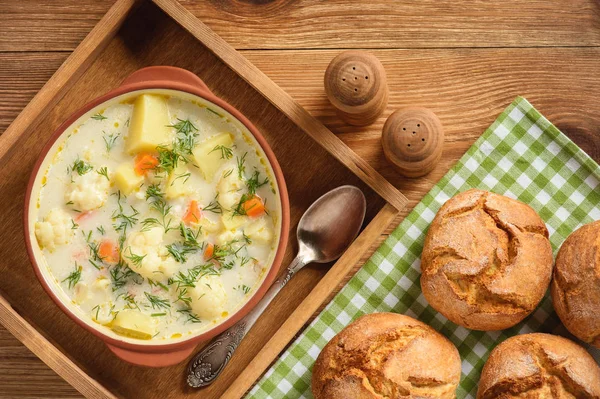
158,215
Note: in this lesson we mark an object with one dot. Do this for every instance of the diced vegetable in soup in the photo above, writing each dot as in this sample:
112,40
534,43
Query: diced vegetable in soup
159,215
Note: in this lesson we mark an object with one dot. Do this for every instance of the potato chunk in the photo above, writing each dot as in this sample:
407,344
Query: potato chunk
126,179
176,184
209,157
149,125
134,324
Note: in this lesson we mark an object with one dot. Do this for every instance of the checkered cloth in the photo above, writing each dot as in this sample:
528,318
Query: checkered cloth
522,156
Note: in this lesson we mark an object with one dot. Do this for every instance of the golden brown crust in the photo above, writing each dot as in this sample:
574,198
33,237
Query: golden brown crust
486,262
576,284
539,366
387,355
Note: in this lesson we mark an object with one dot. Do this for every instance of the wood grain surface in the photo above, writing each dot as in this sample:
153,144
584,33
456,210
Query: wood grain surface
466,60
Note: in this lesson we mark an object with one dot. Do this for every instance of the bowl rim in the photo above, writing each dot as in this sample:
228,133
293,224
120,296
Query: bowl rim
165,84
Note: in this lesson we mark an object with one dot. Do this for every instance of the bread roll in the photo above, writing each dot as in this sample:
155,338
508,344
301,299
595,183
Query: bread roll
539,366
387,355
576,284
486,262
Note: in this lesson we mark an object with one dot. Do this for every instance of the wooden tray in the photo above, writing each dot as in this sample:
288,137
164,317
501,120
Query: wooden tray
134,34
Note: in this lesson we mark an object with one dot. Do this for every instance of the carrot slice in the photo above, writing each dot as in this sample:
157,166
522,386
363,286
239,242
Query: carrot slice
144,162
209,251
254,207
108,251
192,215
82,216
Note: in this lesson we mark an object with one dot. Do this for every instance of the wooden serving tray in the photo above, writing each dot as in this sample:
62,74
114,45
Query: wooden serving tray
132,35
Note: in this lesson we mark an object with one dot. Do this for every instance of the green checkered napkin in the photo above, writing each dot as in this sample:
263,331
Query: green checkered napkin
522,156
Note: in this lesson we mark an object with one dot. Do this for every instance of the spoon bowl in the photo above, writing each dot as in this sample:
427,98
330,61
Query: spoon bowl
331,223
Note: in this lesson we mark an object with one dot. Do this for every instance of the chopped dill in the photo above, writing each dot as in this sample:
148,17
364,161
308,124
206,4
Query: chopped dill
119,275
254,183
74,225
74,277
228,173
214,206
158,314
153,283
214,112
103,171
109,140
135,259
191,317
241,167
156,302
184,176
179,252
226,152
80,167
99,117
101,230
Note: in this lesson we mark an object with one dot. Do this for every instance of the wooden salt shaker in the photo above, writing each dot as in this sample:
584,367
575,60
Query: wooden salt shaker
412,140
356,85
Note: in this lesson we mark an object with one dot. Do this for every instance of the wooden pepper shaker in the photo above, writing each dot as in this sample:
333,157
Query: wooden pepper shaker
356,85
412,140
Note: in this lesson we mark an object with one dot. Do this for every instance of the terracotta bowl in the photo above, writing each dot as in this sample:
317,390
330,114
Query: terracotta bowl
151,353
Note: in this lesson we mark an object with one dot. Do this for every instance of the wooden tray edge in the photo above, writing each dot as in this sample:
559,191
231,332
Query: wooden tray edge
296,321
49,353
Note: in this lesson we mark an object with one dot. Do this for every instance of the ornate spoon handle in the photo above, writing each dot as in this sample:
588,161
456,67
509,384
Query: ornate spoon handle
210,361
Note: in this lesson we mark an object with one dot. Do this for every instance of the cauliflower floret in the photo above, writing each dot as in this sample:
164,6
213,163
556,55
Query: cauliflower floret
54,230
88,191
155,263
101,313
208,297
259,231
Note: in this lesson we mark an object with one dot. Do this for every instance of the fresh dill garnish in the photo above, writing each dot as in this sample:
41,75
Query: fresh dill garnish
153,283
99,117
156,302
191,317
168,159
180,252
69,203
184,127
226,152
97,308
247,239
135,259
121,220
120,275
131,302
159,204
244,288
184,176
189,278
228,173
214,112
74,225
241,167
103,171
101,230
183,297
214,206
190,237
74,277
158,314
109,140
127,122
80,167
254,183
244,260
238,209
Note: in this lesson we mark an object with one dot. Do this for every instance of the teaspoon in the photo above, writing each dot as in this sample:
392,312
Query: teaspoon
325,231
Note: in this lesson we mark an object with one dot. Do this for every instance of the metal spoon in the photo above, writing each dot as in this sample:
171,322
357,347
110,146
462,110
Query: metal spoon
325,231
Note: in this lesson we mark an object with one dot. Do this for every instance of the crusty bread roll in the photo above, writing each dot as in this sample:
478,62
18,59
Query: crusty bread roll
387,355
486,262
576,285
539,366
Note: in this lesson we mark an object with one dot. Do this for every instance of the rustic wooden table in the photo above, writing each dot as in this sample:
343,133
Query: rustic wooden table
465,60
